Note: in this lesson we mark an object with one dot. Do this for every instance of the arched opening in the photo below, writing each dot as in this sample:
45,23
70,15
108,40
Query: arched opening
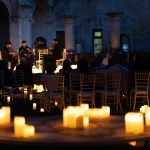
41,26
125,43
4,24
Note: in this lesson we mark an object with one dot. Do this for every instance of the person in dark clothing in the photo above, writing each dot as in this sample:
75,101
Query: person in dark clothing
27,71
9,55
55,50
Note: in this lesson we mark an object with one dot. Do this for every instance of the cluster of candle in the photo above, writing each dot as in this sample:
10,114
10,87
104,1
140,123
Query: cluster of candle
21,129
5,115
78,116
134,121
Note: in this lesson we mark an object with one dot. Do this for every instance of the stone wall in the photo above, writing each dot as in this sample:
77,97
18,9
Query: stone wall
88,14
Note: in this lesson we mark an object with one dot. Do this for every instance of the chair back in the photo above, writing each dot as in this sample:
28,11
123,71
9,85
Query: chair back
87,83
18,78
142,81
75,81
112,82
42,52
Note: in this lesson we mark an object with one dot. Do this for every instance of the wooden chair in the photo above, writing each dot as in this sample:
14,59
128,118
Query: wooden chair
74,87
54,97
111,93
141,90
18,76
87,90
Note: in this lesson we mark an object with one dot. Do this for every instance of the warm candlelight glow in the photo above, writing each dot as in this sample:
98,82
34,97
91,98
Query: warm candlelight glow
56,103
143,109
8,99
64,51
95,112
42,110
2,115
106,111
34,106
134,123
147,117
19,123
31,96
74,117
6,110
28,131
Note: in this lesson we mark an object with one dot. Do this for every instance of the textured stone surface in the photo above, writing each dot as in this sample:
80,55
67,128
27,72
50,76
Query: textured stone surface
89,14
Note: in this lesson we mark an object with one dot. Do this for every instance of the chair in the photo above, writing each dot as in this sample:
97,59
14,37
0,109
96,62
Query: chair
54,97
74,87
111,93
18,76
141,89
41,53
87,90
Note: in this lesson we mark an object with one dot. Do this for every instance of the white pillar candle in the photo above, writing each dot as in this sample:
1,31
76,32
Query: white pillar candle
134,123
86,108
56,103
2,115
42,110
106,111
28,131
64,51
147,117
6,109
34,106
19,123
95,112
143,109
8,99
65,117
31,96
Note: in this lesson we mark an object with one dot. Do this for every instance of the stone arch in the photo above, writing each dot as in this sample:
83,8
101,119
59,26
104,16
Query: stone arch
4,25
42,21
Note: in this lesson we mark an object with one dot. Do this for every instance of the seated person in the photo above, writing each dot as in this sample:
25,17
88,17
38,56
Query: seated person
26,70
9,55
105,60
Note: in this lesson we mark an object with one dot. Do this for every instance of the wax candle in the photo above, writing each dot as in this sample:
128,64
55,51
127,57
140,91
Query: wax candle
95,112
28,131
8,99
2,115
42,110
34,106
6,109
65,117
56,103
31,96
19,123
86,108
134,123
64,51
143,109
147,118
106,111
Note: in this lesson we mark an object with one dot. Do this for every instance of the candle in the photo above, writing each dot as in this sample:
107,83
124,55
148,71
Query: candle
143,109
106,111
56,103
19,123
64,51
6,110
95,112
65,117
28,131
2,115
34,106
86,108
42,110
147,117
8,99
31,96
134,123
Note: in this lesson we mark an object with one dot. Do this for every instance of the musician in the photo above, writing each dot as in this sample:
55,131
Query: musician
55,50
24,49
9,55
41,45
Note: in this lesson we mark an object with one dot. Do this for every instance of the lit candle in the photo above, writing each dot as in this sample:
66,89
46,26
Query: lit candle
134,123
56,103
95,112
106,111
34,106
143,109
19,123
86,108
28,131
6,109
147,117
64,51
2,115
65,117
31,96
42,110
8,99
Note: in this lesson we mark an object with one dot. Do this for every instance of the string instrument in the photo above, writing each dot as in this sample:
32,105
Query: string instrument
14,54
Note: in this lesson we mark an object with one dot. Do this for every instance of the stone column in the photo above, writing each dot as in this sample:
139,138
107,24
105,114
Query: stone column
69,33
114,30
15,32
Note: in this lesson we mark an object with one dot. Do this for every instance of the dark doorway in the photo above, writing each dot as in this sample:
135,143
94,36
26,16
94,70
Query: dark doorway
4,24
36,41
60,35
